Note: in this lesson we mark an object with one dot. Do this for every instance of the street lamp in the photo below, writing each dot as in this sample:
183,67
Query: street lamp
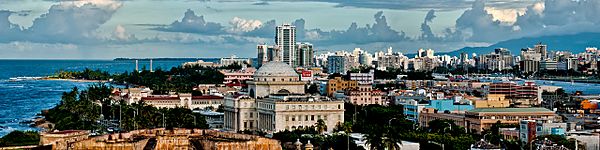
449,125
163,117
390,121
194,120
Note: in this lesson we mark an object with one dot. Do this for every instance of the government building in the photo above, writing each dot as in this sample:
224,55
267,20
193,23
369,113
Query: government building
276,101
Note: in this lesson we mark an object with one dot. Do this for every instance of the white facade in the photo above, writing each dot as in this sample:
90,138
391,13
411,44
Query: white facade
277,102
363,78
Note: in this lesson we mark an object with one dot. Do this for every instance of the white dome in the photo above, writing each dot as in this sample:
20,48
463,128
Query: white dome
275,69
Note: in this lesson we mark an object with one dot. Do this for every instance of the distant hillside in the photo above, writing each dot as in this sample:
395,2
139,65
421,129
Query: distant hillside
575,43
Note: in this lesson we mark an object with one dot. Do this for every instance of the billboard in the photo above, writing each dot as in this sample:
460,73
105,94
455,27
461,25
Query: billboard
306,75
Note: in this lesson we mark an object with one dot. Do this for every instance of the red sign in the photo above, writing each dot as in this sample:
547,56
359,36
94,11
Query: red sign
307,73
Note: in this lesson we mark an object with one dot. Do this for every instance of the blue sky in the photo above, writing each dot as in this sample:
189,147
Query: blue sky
104,29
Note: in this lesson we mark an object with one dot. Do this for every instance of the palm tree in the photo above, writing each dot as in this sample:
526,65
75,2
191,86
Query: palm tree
321,126
374,139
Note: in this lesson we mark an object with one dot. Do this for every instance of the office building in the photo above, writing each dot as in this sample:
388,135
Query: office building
262,54
285,37
305,56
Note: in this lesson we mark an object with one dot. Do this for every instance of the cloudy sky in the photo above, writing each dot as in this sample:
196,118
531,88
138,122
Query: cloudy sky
105,29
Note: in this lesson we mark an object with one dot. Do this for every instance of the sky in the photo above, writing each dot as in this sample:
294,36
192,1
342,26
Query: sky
106,29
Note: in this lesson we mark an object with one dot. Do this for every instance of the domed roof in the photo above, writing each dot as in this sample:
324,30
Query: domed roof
276,69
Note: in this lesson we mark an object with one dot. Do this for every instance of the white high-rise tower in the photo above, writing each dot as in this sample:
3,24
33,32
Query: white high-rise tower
285,37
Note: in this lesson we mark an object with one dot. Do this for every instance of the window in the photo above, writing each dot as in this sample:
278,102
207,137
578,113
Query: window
312,117
293,118
306,118
287,118
245,124
251,124
251,114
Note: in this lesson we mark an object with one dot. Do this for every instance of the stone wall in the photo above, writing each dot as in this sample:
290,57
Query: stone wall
180,139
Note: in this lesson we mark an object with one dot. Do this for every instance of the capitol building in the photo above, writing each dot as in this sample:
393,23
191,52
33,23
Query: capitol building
276,101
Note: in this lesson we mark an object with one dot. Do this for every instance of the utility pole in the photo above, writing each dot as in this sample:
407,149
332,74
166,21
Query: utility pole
134,122
120,114
194,120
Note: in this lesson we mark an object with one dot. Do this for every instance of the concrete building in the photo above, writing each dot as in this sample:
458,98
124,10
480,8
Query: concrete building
285,37
183,100
483,118
244,74
235,60
200,63
412,108
305,56
529,66
171,100
340,84
542,49
277,102
341,63
262,51
365,95
392,61
493,101
591,141
364,78
274,78
525,94
548,65
476,120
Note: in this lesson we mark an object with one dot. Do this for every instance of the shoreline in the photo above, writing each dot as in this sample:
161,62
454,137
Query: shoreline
73,80
569,80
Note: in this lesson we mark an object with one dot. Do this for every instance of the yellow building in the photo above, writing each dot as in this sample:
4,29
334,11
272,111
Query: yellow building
339,84
493,101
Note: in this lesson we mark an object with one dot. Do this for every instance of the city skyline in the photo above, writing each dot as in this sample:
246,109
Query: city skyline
109,29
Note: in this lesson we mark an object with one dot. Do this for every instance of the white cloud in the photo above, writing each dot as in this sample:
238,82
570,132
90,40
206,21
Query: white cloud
239,25
65,22
506,16
120,33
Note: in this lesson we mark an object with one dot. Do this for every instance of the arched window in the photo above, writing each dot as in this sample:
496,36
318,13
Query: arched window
283,91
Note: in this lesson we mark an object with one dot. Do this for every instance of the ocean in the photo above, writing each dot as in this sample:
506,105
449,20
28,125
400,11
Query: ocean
20,101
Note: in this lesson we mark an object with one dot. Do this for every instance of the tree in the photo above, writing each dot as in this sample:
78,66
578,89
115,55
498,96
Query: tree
346,127
321,126
313,89
20,138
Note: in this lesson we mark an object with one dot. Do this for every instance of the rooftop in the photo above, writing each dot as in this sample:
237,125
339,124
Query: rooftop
531,109
279,69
